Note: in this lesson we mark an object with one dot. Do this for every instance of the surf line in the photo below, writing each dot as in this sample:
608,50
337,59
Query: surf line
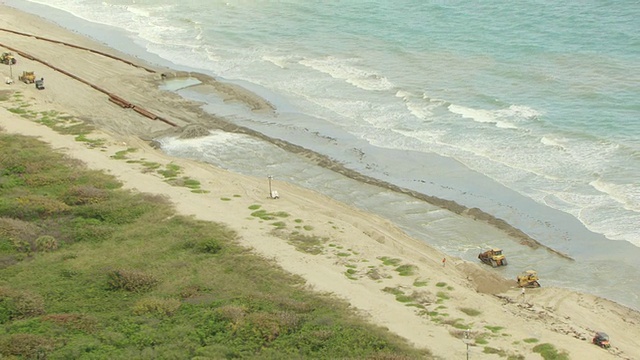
334,165
316,158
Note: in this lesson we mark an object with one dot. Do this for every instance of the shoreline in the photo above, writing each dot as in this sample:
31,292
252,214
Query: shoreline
234,93
468,278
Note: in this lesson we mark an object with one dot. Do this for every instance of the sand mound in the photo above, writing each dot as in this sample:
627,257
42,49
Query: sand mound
484,281
194,131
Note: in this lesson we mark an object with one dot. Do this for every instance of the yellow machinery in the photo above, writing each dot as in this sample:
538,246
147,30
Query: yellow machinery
493,257
7,58
528,279
28,77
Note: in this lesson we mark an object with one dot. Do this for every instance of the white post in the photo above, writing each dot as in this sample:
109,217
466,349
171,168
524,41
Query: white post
467,340
270,192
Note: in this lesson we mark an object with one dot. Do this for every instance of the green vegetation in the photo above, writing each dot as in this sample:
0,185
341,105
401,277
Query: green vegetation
89,270
471,312
456,323
122,154
406,270
549,352
481,339
171,171
490,350
306,243
389,261
441,284
265,215
530,340
494,329
420,283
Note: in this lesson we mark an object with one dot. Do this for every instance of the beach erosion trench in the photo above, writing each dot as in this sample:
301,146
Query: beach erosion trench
312,156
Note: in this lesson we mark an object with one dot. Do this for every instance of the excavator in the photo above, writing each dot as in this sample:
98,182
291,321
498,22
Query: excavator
528,279
493,257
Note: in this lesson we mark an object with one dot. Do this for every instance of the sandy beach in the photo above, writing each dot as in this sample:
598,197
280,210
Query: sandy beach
560,317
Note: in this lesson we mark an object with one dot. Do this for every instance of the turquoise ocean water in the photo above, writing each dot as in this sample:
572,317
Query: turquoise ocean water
527,110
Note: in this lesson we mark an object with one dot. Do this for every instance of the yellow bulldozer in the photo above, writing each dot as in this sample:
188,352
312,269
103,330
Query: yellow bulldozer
493,257
27,77
7,58
528,279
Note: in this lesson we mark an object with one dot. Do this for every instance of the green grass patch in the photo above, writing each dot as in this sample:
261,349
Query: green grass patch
406,270
171,170
309,244
122,154
265,215
481,339
420,283
441,284
549,352
255,207
490,350
118,274
494,329
470,311
531,340
389,261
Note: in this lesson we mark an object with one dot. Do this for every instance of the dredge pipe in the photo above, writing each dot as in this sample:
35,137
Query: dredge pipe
112,97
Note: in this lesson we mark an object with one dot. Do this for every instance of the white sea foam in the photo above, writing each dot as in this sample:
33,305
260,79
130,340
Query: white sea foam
482,116
280,61
350,71
628,195
553,141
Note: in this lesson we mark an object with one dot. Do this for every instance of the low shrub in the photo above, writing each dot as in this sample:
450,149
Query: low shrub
156,306
84,194
26,346
16,304
46,243
206,245
549,352
128,280
80,322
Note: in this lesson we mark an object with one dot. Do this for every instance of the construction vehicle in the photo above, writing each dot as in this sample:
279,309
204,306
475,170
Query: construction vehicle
601,339
27,77
7,58
528,279
493,257
40,84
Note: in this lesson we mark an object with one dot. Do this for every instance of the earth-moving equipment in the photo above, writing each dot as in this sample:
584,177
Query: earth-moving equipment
28,77
7,58
528,279
493,257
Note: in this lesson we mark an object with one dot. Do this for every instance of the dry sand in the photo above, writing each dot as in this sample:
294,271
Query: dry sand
556,316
